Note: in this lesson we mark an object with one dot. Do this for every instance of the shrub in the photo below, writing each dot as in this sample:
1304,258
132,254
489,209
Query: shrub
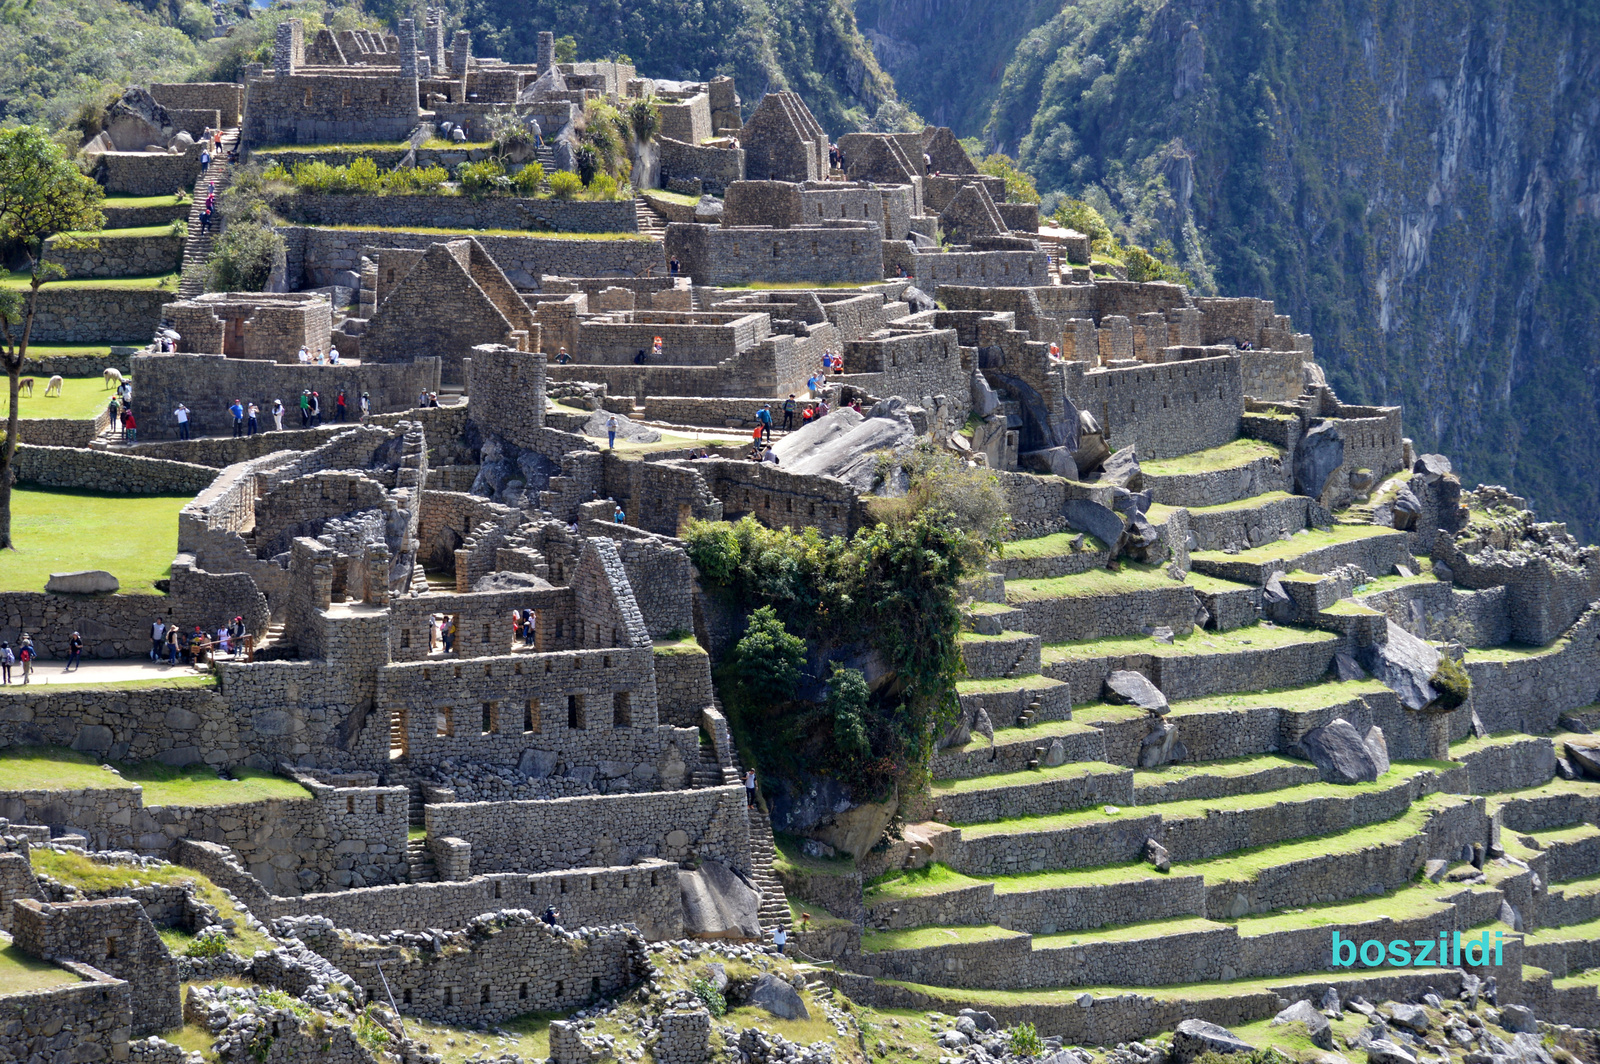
415,180
1452,683
529,179
587,160
603,187
483,178
564,184
211,942
766,661
242,258
644,119
1025,1040
847,704
715,1003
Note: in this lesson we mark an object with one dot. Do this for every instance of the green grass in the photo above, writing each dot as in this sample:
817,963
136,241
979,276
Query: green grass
205,680
1417,900
1513,652
530,1037
541,234
144,201
1587,931
793,286
673,197
999,684
1295,699
136,231
1071,770
81,399
53,768
1091,582
788,856
1591,977
1197,642
1051,546
1228,456
924,937
687,645
1031,733
199,785
915,883
92,878
1252,502
1227,768
19,279
54,350
1100,876
20,973
133,537
1473,743
1192,808
1145,929
1299,544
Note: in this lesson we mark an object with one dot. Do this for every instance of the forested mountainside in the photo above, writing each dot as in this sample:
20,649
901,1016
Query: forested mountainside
810,46
1416,181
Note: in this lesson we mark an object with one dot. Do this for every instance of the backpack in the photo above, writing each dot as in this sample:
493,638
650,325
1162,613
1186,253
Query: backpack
6,657
27,653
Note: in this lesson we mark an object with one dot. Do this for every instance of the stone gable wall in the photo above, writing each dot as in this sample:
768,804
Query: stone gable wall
114,936
720,256
224,96
711,169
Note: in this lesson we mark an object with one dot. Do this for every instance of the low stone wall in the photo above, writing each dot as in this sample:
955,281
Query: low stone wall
1377,555
1254,477
442,424
1528,692
138,173
140,217
539,836
713,169
87,1020
54,433
461,212
1047,912
63,467
121,256
1073,617
89,315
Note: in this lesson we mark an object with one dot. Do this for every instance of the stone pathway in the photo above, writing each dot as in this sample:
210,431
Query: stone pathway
197,248
89,673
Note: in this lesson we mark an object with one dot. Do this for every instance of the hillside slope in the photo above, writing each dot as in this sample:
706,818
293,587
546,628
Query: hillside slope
1418,181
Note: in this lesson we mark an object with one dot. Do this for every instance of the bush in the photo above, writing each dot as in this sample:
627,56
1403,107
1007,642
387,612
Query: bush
715,1003
484,178
564,184
529,180
1452,683
603,187
766,661
415,180
242,258
211,942
587,160
848,704
1025,1041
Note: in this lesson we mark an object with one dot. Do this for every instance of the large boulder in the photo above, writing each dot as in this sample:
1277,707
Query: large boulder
82,582
1405,664
627,429
1101,522
1340,754
1317,1025
777,997
1316,459
717,903
858,829
1122,469
846,446
1194,1037
1134,688
136,122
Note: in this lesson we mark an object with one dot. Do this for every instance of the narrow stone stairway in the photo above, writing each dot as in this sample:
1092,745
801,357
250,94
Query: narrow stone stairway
419,862
197,247
651,223
774,903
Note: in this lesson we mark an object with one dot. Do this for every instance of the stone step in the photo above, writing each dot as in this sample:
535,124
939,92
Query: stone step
1042,791
1009,654
1014,748
1250,522
1201,663
1006,700
1375,549
990,618
1191,831
1233,471
1099,603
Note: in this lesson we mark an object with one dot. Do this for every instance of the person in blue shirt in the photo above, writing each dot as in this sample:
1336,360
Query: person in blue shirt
765,417
619,517
237,410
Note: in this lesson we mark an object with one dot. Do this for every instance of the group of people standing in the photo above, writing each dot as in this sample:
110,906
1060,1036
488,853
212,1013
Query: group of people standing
247,416
120,408
170,643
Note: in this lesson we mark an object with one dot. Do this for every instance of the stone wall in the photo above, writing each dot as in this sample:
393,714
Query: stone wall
87,315
60,432
929,270
114,936
90,1019
615,829
314,256
712,169
207,384
226,97
64,467
120,256
139,173
1527,692
724,256
460,212
1164,410
328,108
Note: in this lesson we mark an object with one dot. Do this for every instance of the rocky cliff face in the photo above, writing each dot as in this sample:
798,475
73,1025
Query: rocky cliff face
1416,181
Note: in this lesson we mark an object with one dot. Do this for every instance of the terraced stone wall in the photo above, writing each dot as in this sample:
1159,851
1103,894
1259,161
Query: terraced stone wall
708,170
460,212
727,256
116,937
91,1016
71,467
139,173
1164,410
120,256
74,315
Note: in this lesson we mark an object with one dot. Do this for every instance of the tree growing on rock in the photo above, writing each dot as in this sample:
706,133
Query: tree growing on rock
42,195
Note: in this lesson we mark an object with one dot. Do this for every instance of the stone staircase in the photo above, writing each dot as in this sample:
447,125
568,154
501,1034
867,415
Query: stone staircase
651,222
420,867
774,903
197,246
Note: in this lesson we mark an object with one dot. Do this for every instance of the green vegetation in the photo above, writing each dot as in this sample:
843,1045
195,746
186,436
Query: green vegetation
18,281
1299,544
1051,546
242,258
540,234
54,768
1071,770
1024,1040
133,537
1131,578
684,644
997,684
1144,929
1240,452
915,883
1296,699
127,202
710,996
361,176
1200,641
199,785
21,973
81,398
54,350
175,228
924,937
1513,652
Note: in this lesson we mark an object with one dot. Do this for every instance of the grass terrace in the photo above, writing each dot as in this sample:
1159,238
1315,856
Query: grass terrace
1197,642
1316,696
61,350
1299,543
199,785
924,937
687,644
133,537
21,973
145,201
541,234
1229,456
169,229
1071,770
81,399
791,286
1174,925
54,768
1513,652
19,279
1090,582
1225,768
1001,684
1057,543
1252,502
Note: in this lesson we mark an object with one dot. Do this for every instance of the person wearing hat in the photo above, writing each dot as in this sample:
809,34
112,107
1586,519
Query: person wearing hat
366,407
74,652
26,654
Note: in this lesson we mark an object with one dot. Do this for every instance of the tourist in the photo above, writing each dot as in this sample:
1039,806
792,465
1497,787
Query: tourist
788,412
366,407
764,420
422,400
74,653
450,636
172,644
433,399
812,384
237,410
205,221
252,419
516,627
807,416
277,414
551,916
333,355
305,407
339,407
26,654
236,631
205,159
129,428
224,640
114,412
529,626
7,659
304,356
182,414
822,408
197,646
755,442
750,789
611,431
770,456
619,517
562,358
780,939
673,266
315,402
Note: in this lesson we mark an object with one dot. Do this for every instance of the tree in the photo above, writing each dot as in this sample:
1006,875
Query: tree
766,661
42,194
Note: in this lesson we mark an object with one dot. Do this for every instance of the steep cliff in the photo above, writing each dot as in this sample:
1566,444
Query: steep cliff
810,46
1416,181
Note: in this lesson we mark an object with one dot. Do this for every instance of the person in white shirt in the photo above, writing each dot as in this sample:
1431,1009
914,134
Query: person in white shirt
182,414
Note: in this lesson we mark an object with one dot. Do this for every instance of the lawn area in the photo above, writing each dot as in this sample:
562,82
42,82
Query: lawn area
142,230
1197,642
1299,543
20,973
1316,696
542,234
1090,582
1072,770
19,279
795,286
133,537
1513,652
81,398
53,768
143,201
54,350
923,937
199,785
1228,456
